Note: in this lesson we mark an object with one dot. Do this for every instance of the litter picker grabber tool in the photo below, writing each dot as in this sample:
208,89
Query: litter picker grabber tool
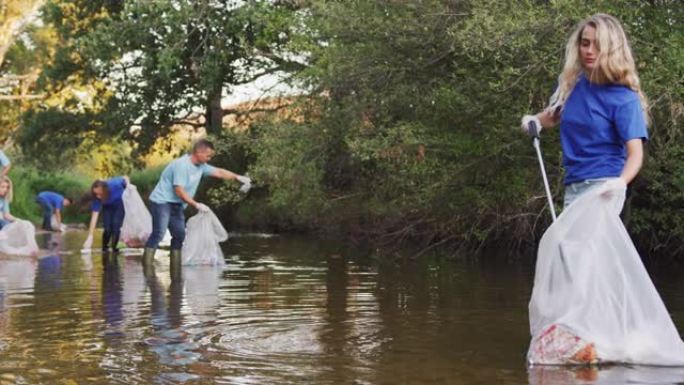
533,130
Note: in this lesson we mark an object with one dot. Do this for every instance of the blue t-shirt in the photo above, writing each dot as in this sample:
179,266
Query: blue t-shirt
4,160
116,188
56,200
180,172
4,206
596,122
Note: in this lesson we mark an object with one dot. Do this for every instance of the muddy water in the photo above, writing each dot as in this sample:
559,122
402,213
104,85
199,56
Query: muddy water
285,310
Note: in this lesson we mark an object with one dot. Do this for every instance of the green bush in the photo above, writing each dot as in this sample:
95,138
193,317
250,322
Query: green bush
146,179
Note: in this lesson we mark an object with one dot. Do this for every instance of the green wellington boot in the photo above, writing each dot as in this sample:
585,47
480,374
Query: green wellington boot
175,264
148,261
148,255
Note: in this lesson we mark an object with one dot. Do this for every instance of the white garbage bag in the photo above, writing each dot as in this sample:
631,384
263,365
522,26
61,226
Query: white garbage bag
203,233
137,223
593,300
53,224
18,238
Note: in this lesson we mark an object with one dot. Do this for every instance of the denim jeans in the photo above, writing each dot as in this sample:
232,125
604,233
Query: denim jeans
167,215
48,209
574,190
3,223
112,220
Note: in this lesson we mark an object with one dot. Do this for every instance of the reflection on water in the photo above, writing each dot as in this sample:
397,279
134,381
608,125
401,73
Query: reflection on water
284,310
549,375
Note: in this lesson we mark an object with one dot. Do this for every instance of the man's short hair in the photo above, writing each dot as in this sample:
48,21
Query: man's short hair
202,144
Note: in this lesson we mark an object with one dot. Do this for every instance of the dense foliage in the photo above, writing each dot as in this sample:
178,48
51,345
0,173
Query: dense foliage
413,129
407,125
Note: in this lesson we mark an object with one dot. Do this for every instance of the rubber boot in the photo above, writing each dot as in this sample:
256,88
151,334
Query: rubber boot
175,264
115,242
148,260
106,235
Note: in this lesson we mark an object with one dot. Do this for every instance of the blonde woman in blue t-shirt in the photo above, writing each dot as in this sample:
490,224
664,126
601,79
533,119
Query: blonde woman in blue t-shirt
5,200
600,107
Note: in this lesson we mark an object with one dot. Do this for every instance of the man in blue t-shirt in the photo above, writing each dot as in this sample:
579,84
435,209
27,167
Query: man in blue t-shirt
175,191
4,163
52,203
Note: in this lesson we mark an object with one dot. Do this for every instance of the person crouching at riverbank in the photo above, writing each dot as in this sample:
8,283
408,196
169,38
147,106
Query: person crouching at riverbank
106,198
52,203
175,191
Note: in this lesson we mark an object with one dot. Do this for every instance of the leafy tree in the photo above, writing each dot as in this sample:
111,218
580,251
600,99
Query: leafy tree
150,65
418,105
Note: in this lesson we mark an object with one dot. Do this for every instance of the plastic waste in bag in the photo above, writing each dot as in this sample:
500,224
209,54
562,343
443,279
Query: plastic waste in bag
18,238
593,300
203,233
137,223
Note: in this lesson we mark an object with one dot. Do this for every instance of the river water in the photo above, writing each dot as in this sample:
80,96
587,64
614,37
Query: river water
285,310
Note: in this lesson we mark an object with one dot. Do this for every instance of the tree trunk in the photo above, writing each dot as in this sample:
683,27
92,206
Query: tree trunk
214,112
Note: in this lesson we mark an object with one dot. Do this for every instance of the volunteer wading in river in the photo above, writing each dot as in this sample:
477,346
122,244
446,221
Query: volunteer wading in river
600,107
106,195
602,115
175,190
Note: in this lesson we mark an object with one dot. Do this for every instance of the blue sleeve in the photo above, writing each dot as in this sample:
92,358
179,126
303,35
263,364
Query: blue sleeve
630,122
59,202
180,175
4,160
6,208
95,206
207,169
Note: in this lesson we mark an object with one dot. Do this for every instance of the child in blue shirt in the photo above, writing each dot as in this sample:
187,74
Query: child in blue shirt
600,107
106,195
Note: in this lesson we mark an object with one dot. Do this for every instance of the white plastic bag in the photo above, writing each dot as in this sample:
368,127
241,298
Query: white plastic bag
203,232
593,300
18,238
137,223
53,224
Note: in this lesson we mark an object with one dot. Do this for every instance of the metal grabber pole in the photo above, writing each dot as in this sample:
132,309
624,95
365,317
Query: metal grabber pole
534,132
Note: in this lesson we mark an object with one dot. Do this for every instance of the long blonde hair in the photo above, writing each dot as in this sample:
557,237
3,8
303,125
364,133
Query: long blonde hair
10,189
615,62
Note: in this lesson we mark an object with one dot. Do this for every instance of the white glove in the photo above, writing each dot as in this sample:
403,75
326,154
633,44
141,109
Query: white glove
244,179
88,244
525,125
611,187
201,207
246,183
